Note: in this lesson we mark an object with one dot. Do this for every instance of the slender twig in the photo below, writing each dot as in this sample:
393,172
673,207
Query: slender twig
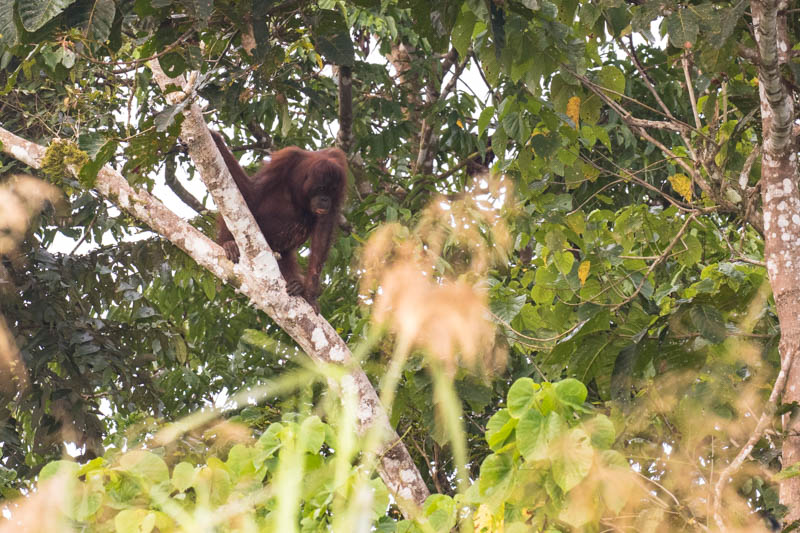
177,187
136,63
755,436
645,76
658,261
85,232
690,89
461,165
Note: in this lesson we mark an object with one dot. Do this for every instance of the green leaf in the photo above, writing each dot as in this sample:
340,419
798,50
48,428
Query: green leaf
572,458
94,18
521,396
8,29
332,38
166,116
182,476
134,521
485,118
570,392
535,432
507,306
85,503
564,261
88,172
476,394
145,465
721,23
496,474
241,460
312,433
209,285
499,427
440,510
682,27
270,441
258,339
613,79
36,13
212,485
200,9
70,468
173,64
787,472
516,126
692,252
709,323
462,31
618,19
532,438
498,27
602,431
545,145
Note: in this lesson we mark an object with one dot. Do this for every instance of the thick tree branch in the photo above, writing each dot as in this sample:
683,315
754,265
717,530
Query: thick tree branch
425,153
259,279
344,139
781,206
311,331
771,89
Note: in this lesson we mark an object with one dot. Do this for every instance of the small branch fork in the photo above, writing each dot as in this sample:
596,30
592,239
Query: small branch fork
713,183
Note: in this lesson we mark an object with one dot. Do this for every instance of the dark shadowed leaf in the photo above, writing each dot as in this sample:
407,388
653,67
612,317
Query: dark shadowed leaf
36,13
332,38
709,323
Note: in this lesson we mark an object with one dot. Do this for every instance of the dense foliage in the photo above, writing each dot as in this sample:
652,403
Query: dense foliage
631,302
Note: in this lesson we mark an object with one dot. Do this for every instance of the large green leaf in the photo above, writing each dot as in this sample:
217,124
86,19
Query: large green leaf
613,79
570,392
462,31
572,458
682,27
332,38
499,427
94,18
8,29
496,473
145,465
521,396
535,432
182,476
709,323
134,521
440,510
36,13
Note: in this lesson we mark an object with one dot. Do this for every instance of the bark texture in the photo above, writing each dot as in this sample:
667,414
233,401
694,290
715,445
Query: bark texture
259,279
781,205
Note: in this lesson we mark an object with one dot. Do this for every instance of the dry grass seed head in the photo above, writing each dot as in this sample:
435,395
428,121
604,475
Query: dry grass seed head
439,309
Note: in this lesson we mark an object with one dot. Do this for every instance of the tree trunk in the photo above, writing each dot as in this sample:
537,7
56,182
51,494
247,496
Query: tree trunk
781,205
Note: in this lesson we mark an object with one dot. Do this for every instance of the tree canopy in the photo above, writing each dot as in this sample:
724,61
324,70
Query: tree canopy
562,295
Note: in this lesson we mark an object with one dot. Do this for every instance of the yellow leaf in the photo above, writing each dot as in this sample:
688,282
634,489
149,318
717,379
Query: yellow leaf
590,173
682,185
574,110
484,522
583,271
